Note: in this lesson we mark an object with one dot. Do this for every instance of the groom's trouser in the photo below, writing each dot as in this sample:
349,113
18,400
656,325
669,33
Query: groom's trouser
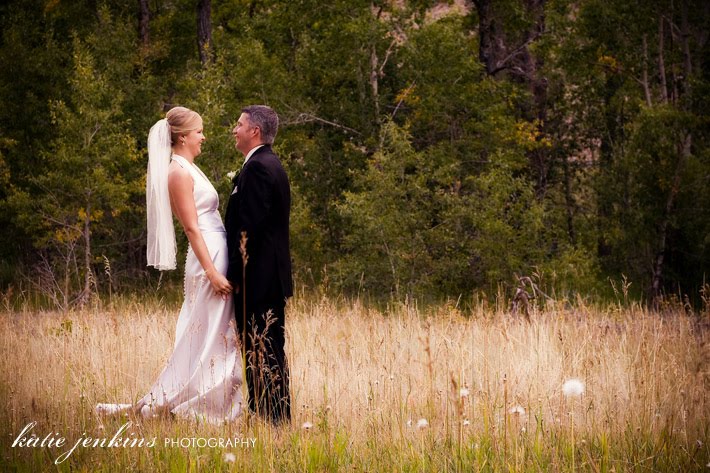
267,370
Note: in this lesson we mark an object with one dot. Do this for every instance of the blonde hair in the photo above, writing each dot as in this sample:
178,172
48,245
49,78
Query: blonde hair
182,120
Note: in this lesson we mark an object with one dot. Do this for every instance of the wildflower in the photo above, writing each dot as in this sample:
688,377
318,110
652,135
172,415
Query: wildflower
409,422
466,422
573,387
229,458
519,410
422,424
463,393
307,425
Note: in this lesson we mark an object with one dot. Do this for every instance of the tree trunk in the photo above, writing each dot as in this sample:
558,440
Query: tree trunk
488,37
646,87
661,62
204,30
143,21
657,282
67,279
88,276
685,44
685,147
497,55
569,201
374,82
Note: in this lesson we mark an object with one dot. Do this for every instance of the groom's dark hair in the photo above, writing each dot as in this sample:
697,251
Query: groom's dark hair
266,119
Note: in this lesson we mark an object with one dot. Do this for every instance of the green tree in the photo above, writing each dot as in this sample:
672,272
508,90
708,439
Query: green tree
81,188
634,77
420,230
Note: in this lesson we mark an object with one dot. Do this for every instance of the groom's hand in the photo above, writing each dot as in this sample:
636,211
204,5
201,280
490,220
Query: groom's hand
236,288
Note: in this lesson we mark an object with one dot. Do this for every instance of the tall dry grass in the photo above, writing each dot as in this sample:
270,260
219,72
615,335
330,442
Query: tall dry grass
402,389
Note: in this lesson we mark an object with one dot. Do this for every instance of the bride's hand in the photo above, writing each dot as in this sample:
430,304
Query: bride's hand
220,284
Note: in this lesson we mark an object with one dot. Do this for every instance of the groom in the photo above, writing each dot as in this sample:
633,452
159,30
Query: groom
259,205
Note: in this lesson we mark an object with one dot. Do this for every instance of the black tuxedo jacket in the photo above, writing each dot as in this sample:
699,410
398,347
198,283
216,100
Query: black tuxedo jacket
260,204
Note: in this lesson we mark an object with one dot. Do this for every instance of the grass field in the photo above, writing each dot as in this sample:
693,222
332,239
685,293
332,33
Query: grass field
396,390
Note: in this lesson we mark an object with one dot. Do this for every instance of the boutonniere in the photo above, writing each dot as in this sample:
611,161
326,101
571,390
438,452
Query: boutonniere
231,175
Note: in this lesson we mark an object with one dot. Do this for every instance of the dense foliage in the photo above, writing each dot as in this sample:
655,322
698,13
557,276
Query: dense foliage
434,149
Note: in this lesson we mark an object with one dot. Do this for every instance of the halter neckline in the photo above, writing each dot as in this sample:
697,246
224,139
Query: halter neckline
182,158
194,166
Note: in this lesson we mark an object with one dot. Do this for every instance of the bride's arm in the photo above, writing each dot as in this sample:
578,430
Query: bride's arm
183,203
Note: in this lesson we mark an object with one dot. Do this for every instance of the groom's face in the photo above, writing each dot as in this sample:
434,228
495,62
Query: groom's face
245,135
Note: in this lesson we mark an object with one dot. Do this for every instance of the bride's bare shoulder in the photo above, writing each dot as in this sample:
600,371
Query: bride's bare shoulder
175,170
178,176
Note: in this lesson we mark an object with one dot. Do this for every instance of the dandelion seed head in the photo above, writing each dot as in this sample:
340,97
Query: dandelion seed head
519,410
409,422
464,392
230,458
307,425
573,387
422,423
466,422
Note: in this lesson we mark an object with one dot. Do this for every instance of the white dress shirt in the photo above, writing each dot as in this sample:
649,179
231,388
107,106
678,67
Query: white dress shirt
253,150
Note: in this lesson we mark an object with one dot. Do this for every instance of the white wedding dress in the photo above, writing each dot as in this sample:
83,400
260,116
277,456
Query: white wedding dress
202,379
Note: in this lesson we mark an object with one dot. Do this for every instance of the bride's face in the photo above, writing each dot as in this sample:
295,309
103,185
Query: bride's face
193,141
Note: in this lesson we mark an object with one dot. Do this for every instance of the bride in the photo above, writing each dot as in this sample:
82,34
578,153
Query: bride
203,376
